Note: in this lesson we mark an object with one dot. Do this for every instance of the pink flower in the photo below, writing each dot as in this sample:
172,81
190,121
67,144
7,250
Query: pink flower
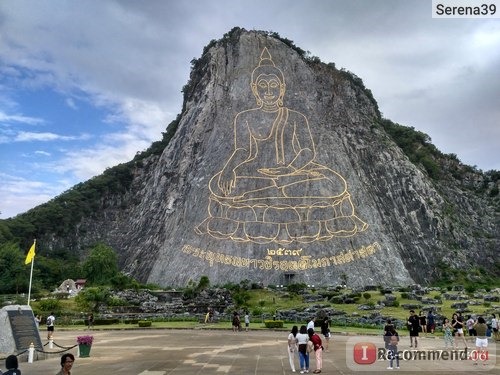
84,340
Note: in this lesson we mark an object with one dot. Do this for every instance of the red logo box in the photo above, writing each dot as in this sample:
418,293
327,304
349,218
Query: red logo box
364,353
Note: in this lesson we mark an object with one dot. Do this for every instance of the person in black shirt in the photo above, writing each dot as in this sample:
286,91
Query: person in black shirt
413,326
457,323
325,331
423,322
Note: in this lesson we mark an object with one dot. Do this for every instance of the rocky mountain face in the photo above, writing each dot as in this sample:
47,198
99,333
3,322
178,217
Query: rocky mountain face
279,172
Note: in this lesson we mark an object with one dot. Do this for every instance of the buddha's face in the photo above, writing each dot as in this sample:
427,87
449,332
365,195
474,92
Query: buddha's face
268,89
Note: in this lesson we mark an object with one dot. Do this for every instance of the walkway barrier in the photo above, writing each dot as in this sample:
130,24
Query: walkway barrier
31,351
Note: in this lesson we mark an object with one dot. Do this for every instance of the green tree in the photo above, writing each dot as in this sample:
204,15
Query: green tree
296,288
204,283
101,265
122,281
91,298
14,275
5,233
50,305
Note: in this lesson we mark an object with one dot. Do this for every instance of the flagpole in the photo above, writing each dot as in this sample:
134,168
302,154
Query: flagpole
31,278
31,257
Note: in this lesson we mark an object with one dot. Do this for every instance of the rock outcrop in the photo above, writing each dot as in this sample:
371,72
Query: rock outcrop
279,171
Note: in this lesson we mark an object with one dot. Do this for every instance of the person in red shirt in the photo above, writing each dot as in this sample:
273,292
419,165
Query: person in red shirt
318,349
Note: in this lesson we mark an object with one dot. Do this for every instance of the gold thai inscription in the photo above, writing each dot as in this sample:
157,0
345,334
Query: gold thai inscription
303,262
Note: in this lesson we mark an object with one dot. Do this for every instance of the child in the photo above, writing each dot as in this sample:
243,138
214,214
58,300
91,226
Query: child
448,333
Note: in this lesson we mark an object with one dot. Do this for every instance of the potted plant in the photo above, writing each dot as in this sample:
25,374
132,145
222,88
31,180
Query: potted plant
84,345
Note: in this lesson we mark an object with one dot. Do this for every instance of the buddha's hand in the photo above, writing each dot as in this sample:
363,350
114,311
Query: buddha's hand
227,181
276,172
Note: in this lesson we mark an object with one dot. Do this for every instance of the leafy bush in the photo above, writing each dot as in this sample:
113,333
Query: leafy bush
367,295
50,305
470,289
296,288
273,323
337,300
106,322
116,301
241,298
144,323
131,321
257,311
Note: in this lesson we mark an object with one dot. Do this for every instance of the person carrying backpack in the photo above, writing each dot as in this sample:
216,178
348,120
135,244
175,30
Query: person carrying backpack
392,347
50,325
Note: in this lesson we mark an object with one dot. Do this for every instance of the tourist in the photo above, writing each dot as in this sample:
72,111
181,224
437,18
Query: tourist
458,325
292,346
388,326
431,325
388,333
470,326
495,326
50,326
325,331
423,322
91,321
311,323
414,327
236,322
481,340
210,315
67,361
447,333
247,321
302,339
12,365
318,349
38,320
392,347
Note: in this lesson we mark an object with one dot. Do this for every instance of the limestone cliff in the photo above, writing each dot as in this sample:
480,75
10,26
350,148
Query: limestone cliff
280,170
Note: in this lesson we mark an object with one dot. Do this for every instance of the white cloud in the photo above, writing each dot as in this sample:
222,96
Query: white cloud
440,76
20,119
30,136
87,163
71,103
20,194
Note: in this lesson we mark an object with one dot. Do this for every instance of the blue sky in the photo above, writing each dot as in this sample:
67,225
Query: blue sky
85,85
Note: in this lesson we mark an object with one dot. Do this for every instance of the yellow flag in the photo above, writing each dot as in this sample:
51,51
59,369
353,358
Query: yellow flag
31,254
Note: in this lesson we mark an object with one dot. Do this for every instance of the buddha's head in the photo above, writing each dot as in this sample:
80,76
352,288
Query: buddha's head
268,83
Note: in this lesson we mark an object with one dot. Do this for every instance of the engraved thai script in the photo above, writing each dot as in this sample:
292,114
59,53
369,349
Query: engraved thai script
282,252
304,262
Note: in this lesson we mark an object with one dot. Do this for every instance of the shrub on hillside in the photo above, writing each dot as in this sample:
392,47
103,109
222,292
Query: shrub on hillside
273,323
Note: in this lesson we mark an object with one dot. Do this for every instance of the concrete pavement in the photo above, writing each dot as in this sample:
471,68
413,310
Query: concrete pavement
206,351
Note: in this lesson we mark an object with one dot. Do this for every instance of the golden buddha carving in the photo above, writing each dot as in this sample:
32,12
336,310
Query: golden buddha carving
271,189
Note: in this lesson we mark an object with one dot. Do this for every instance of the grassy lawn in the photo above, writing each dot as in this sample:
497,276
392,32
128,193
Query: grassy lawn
265,302
215,326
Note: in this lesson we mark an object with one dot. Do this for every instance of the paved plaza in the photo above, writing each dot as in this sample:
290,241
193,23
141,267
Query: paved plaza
206,351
